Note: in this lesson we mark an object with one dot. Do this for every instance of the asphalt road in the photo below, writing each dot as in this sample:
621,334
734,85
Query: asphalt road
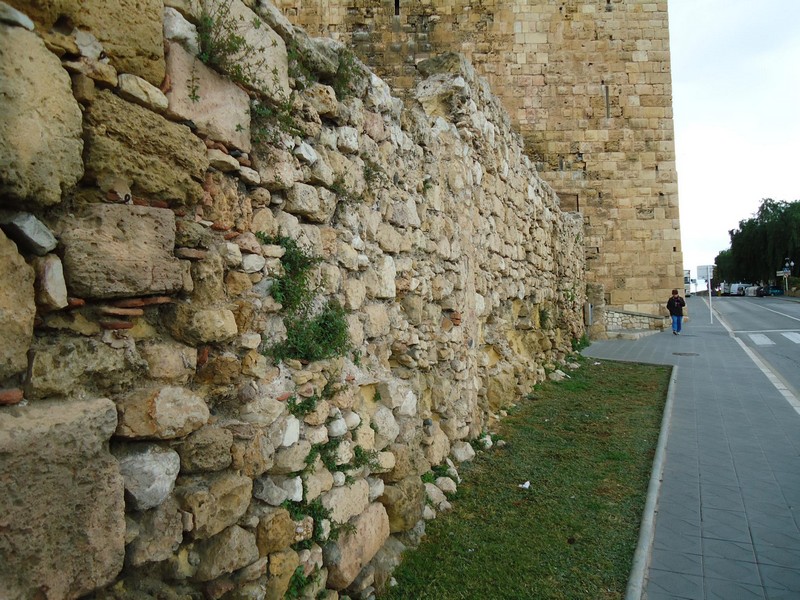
770,327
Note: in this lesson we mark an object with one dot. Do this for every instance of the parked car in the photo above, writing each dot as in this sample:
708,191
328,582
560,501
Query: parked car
737,289
769,290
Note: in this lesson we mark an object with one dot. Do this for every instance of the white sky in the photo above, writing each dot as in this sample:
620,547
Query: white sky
736,99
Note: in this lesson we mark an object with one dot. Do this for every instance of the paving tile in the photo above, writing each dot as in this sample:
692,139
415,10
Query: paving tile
741,551
777,556
676,584
781,578
677,562
731,570
725,525
776,537
721,589
722,497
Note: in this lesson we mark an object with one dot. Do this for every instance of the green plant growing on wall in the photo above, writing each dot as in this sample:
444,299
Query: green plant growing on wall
310,335
223,45
297,584
544,317
269,119
303,407
344,79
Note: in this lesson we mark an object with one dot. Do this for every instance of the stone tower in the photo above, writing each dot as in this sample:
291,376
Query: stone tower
587,83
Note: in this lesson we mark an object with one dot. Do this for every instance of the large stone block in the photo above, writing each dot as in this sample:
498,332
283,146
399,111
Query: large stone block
60,366
17,309
130,31
160,159
265,64
117,251
62,506
219,108
215,502
352,551
161,412
40,132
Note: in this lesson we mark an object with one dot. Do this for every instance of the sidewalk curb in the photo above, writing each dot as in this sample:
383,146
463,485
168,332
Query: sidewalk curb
641,557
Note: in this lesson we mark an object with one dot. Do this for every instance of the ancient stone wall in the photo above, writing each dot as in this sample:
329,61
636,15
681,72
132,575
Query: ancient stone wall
151,214
587,83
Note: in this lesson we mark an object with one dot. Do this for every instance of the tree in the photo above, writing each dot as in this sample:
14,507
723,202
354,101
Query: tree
762,242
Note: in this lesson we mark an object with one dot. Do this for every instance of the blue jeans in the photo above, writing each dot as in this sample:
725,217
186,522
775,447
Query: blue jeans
676,323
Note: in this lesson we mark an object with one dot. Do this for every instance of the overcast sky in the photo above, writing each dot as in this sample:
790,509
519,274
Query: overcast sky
736,99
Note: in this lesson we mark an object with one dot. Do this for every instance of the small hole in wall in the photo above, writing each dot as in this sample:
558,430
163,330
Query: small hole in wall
674,248
397,8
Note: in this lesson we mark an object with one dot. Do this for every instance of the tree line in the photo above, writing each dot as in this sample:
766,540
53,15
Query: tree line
761,244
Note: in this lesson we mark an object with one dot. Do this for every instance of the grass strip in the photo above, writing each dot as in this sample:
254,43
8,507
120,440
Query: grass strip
586,446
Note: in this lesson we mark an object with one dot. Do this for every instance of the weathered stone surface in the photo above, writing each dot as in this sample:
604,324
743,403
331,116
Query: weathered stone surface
202,325
130,31
160,412
306,200
207,449
31,76
253,450
162,160
275,531
282,565
149,472
215,501
386,427
178,29
168,360
347,501
115,251
462,451
62,507
292,459
51,289
17,309
160,532
219,108
380,279
226,552
138,90
352,551
60,366
28,232
404,502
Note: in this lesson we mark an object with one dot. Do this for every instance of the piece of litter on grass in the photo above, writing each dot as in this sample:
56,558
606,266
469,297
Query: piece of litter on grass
525,485
596,363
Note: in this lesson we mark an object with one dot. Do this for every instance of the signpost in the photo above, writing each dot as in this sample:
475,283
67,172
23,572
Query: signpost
707,272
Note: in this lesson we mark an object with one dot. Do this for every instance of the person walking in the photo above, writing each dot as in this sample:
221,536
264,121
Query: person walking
675,307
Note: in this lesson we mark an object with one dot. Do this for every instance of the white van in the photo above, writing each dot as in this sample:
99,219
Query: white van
737,289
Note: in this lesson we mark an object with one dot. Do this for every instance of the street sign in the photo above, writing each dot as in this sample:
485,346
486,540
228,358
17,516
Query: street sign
705,272
786,272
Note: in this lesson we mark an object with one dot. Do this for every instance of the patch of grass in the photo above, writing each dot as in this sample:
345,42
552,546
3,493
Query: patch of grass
586,445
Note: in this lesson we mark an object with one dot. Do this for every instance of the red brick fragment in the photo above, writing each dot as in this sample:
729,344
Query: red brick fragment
121,312
116,324
11,396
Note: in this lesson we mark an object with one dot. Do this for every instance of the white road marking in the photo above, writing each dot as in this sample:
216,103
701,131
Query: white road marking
793,337
783,388
759,339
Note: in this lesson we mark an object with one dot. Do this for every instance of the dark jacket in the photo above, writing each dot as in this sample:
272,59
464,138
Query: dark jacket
675,306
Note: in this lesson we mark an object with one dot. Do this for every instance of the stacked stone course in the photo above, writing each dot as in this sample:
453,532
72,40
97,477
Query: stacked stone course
148,446
587,83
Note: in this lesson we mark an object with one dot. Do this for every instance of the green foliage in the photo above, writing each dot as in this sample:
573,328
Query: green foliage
346,74
580,343
544,317
323,335
761,243
362,457
303,407
269,120
309,335
298,69
224,47
297,584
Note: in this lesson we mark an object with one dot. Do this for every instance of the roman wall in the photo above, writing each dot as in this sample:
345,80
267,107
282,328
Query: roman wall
586,82
172,423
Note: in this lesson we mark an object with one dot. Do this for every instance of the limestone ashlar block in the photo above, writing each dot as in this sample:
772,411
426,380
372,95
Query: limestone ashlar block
161,412
119,251
160,159
130,31
41,120
62,506
218,107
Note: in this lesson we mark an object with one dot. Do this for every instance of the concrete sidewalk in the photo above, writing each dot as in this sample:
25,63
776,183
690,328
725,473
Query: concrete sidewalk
727,510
